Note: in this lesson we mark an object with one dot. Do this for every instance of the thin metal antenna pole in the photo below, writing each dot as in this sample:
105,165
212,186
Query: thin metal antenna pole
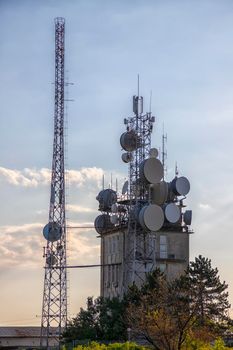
150,101
164,152
138,85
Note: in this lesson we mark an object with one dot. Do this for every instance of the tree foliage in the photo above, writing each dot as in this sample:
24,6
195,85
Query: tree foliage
165,314
102,320
194,306
209,294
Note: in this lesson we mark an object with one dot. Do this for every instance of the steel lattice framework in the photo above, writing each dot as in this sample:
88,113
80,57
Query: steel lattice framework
54,309
138,247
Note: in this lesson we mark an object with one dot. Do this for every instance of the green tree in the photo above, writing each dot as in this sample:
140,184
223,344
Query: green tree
194,306
209,294
84,325
103,319
162,316
111,319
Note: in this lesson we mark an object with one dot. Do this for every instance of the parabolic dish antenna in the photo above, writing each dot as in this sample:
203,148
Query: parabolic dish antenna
172,213
102,223
52,232
151,170
128,141
188,217
126,157
125,187
180,186
151,217
159,193
153,153
106,198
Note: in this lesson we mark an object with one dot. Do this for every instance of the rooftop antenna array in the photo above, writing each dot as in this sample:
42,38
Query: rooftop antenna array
147,206
54,308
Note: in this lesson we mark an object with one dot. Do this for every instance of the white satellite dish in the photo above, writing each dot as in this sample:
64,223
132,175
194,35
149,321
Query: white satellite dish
159,193
125,187
151,170
151,217
180,186
172,213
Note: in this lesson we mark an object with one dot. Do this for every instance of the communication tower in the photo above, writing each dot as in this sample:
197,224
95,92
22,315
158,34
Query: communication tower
144,227
54,309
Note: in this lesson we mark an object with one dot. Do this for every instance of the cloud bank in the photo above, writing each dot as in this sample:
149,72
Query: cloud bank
42,177
22,245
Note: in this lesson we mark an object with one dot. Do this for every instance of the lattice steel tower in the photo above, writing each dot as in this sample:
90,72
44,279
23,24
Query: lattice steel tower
139,250
54,309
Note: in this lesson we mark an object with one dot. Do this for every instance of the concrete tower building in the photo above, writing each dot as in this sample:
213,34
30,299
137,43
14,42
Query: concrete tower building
145,226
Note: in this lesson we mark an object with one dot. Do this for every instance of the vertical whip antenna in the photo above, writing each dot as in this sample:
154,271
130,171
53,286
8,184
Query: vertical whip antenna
164,152
138,84
54,308
150,101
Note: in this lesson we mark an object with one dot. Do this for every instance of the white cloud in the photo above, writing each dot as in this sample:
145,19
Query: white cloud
79,177
37,177
204,206
22,245
27,177
26,228
79,209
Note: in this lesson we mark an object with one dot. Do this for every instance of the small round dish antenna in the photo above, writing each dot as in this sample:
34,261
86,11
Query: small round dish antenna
153,153
188,217
52,232
126,157
125,187
151,217
172,213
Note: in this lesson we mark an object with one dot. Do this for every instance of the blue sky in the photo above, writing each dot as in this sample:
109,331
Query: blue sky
183,52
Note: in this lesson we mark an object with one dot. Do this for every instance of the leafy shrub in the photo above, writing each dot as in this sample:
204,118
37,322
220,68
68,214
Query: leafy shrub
113,346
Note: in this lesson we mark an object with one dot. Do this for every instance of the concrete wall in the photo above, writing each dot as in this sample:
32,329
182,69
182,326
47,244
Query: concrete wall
170,254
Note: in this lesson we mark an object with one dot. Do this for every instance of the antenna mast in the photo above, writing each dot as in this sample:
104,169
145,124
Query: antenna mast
137,259
54,309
